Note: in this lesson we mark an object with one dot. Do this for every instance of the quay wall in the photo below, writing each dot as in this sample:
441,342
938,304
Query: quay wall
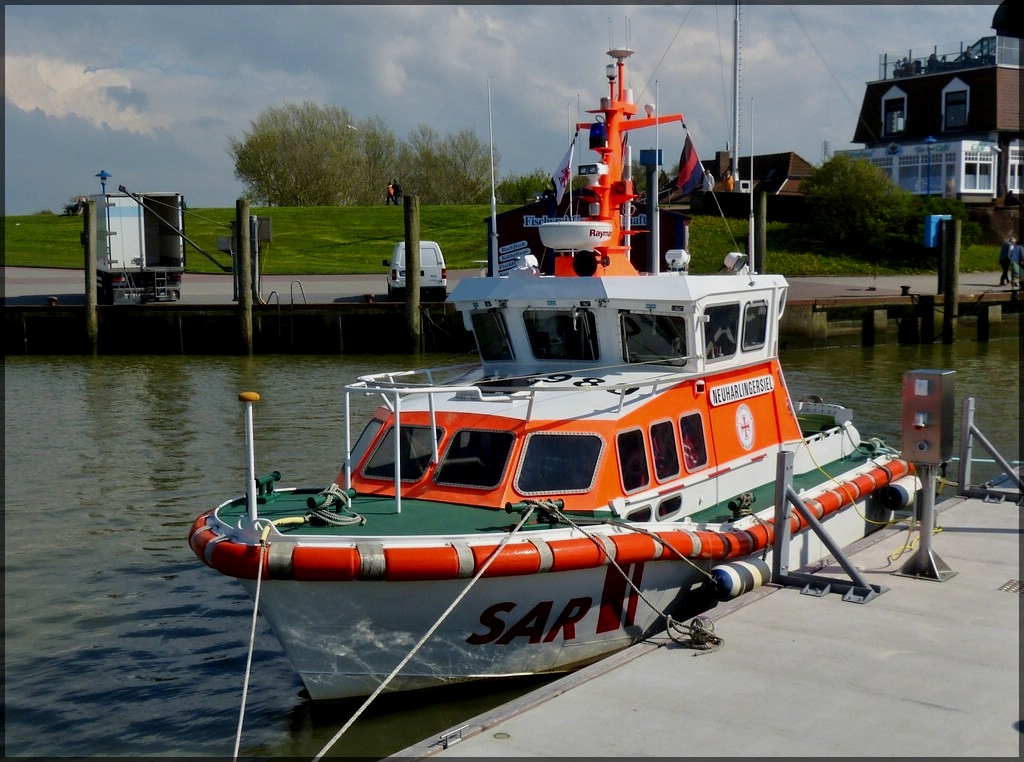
381,328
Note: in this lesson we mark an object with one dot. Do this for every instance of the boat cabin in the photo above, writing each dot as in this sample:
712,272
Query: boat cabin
637,371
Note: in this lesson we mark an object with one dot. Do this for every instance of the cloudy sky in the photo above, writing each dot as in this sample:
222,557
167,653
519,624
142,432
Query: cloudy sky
152,93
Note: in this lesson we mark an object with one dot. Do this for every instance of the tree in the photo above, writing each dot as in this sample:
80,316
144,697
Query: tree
298,155
379,161
854,208
453,170
522,189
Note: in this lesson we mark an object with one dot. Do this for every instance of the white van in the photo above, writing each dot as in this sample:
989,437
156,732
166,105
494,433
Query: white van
433,273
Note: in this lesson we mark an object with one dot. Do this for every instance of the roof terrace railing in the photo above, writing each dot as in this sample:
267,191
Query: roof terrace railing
987,51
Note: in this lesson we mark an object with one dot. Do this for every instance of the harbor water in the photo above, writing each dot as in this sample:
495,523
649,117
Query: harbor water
120,642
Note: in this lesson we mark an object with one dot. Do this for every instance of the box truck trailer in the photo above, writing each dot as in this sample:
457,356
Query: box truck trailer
140,247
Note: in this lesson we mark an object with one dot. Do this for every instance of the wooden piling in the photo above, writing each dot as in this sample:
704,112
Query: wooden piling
92,326
761,234
244,258
411,210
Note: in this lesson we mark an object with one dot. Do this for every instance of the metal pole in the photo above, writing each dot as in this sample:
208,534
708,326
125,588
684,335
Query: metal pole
925,564
248,398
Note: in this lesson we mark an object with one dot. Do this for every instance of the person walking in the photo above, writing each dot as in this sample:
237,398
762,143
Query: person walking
1004,259
1016,265
389,197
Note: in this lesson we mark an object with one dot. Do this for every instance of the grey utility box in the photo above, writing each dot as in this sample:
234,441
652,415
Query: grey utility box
928,416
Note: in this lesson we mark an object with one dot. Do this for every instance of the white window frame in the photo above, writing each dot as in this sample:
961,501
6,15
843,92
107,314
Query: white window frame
956,85
894,94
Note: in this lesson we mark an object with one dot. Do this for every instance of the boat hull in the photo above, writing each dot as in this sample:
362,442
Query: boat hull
344,639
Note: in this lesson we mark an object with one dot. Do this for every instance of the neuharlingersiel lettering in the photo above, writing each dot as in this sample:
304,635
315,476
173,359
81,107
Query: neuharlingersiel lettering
741,390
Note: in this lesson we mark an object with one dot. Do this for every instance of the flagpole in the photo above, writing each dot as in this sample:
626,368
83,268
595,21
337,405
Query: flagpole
492,254
654,224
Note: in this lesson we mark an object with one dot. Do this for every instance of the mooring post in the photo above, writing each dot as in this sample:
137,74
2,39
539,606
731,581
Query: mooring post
411,210
92,323
244,273
951,263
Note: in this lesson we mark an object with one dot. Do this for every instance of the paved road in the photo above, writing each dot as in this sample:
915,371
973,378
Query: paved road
30,285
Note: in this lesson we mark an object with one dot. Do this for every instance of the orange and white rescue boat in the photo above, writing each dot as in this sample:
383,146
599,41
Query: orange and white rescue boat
611,461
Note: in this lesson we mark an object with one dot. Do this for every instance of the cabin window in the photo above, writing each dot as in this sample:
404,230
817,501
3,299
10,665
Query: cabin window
695,453
755,325
721,329
633,460
415,451
492,335
554,464
648,338
363,443
664,450
562,334
669,507
475,458
640,514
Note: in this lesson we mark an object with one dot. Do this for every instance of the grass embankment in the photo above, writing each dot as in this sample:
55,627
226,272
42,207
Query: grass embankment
324,240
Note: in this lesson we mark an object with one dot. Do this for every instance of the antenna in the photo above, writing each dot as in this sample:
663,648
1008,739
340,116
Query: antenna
751,264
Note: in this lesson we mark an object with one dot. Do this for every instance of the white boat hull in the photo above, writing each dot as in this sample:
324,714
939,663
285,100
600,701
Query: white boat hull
345,638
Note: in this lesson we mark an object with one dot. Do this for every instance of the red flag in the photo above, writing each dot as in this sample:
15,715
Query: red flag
691,173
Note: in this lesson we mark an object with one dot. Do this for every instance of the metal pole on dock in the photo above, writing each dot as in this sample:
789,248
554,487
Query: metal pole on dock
951,265
244,273
411,210
92,326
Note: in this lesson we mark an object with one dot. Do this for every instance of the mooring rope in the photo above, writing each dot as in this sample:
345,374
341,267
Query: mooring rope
380,688
252,638
700,633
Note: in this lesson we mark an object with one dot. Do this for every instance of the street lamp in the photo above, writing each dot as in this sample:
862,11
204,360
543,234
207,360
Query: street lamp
929,142
103,175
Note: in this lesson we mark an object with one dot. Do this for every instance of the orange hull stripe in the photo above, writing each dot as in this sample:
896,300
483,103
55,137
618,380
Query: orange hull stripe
311,563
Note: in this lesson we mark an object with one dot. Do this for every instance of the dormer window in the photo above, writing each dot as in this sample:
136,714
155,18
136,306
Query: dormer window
894,112
955,105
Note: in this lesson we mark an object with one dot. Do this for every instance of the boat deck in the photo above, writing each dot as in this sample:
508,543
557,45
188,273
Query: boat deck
428,517
927,668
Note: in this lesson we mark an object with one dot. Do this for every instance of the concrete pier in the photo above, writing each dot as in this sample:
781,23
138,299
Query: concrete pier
927,668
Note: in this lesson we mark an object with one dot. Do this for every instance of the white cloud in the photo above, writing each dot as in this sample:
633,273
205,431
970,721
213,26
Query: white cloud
182,80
